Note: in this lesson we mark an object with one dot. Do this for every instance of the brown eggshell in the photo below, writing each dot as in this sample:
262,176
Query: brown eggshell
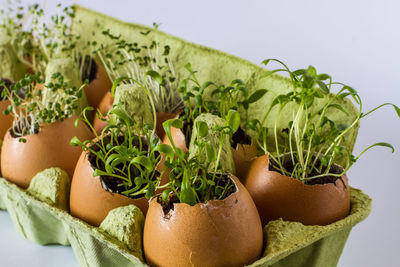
161,118
5,120
97,88
179,139
90,202
104,107
278,196
242,156
20,162
224,232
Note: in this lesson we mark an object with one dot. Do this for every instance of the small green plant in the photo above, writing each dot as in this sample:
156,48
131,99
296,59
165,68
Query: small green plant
191,178
36,41
312,140
222,101
124,155
149,64
32,106
126,162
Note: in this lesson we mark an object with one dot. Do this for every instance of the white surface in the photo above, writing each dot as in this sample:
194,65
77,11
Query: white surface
357,42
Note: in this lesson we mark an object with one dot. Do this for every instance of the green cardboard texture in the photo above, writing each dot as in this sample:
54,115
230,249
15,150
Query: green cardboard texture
212,65
286,242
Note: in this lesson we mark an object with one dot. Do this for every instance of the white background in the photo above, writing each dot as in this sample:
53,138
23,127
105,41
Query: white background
357,42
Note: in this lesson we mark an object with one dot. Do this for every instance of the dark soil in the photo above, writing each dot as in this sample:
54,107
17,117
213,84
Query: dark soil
89,69
240,137
287,164
222,180
109,183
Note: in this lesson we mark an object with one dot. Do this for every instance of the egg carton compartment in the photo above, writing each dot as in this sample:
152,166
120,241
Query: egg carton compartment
118,240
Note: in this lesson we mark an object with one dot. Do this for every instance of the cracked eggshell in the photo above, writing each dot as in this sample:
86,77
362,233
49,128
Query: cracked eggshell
278,196
90,202
20,162
5,120
161,118
179,139
224,232
105,105
98,87
242,156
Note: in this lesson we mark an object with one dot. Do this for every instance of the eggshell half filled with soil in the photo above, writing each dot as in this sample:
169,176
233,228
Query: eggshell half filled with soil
278,196
20,162
224,232
90,202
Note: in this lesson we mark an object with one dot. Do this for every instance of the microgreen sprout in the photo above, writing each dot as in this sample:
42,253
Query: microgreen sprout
124,155
36,40
192,178
125,161
149,64
313,140
224,99
32,106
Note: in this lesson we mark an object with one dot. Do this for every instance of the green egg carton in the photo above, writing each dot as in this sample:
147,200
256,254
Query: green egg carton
37,214
40,213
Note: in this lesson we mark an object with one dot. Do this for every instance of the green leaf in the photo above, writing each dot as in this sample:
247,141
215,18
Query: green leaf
323,77
155,75
339,107
98,172
312,71
109,161
151,191
188,195
188,67
323,86
257,95
309,100
165,149
266,61
144,161
75,141
205,85
396,108
176,123
233,120
165,194
122,116
299,72
202,128
383,144
210,151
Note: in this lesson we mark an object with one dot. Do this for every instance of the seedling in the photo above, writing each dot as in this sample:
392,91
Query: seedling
31,106
124,155
36,41
149,64
311,138
191,180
